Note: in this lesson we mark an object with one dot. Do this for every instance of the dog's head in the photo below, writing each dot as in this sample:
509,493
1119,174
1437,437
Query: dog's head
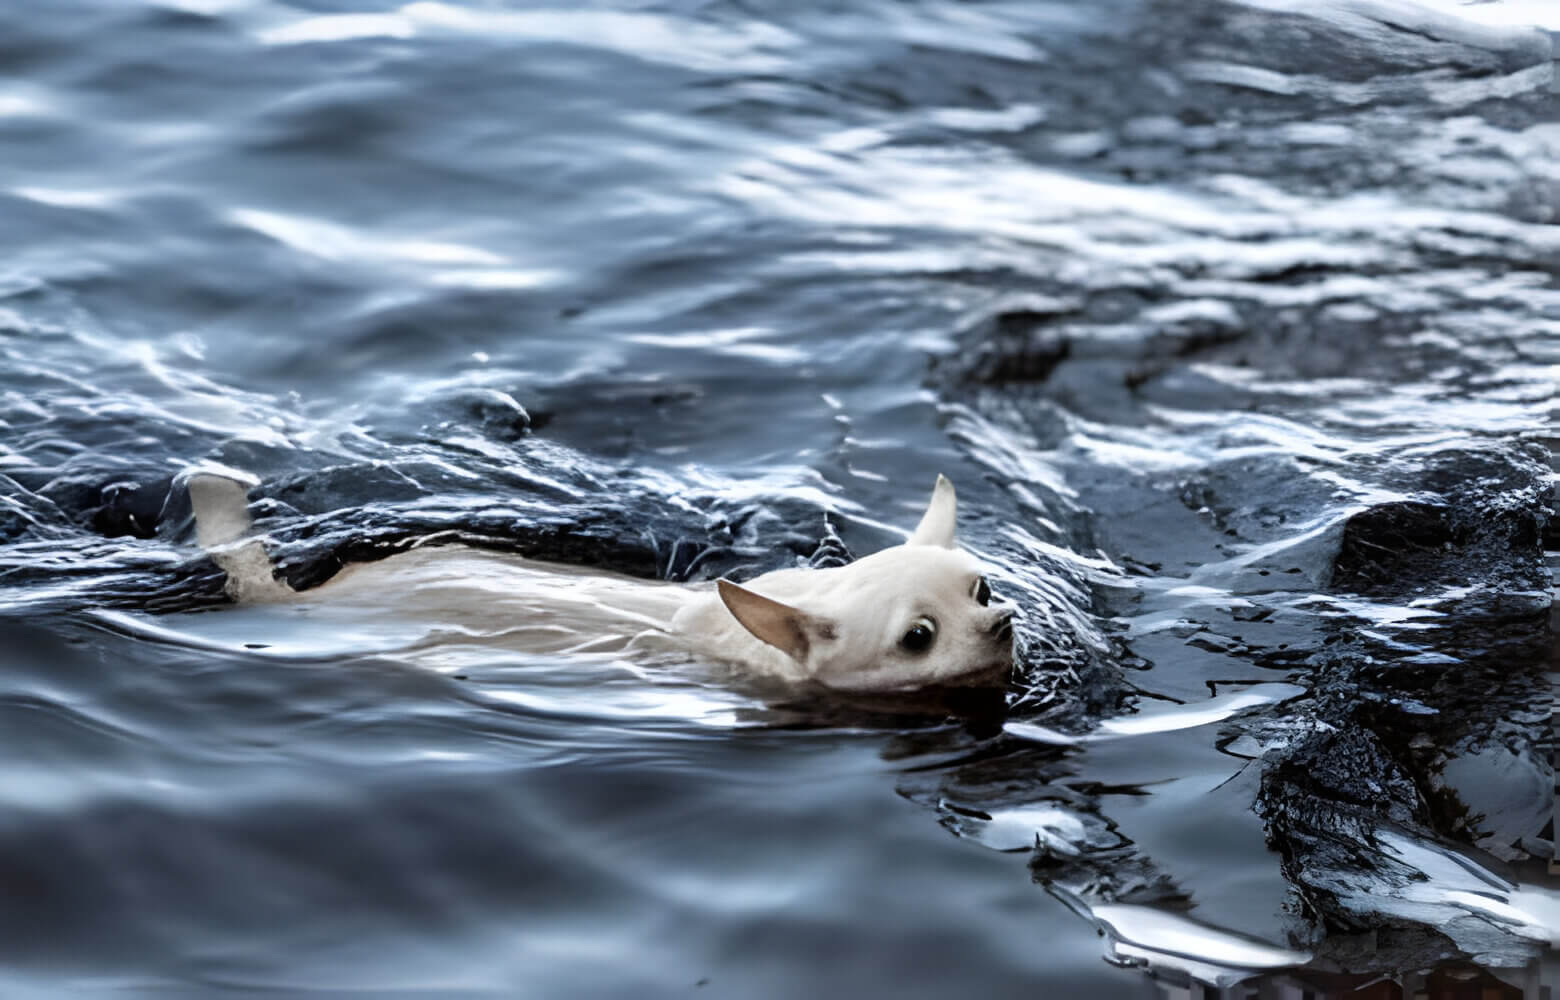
914,615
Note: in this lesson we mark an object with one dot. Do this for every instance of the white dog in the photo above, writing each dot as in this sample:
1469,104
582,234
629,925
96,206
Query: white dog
914,615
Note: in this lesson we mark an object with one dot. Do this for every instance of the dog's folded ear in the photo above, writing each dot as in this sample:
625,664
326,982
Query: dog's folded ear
788,629
936,527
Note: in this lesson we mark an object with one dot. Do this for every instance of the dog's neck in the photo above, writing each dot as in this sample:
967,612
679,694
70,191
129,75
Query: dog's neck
705,627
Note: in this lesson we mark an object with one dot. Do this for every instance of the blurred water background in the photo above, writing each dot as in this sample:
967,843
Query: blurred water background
1236,324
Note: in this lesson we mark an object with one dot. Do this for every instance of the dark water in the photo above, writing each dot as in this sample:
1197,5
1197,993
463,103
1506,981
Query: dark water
1237,326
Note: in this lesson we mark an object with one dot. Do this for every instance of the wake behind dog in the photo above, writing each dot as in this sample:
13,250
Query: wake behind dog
911,616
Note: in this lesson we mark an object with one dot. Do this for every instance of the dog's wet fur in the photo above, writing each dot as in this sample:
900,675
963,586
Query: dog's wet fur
914,616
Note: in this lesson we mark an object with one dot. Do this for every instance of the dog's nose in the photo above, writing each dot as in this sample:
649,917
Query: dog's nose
1002,628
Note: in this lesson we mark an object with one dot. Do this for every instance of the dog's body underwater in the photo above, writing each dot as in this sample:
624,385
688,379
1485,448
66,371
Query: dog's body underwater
910,616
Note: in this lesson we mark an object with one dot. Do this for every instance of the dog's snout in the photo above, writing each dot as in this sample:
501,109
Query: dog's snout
1002,627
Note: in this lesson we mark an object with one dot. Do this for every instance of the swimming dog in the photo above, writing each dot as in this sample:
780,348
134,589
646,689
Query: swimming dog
911,616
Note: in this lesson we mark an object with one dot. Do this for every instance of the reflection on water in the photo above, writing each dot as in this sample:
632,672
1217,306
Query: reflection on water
1456,982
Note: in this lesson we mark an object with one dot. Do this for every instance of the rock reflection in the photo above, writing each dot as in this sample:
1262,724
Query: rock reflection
1537,981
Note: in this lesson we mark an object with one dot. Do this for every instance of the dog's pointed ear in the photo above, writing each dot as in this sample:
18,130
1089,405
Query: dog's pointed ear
936,527
788,629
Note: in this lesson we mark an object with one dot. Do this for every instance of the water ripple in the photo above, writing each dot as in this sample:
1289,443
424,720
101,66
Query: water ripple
1233,322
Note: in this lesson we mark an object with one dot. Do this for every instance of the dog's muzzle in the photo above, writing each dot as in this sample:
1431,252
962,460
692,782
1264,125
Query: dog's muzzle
1002,629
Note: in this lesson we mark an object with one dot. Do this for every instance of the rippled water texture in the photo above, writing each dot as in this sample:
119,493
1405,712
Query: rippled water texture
1236,325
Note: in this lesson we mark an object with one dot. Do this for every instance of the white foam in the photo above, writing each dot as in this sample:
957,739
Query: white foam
1144,935
1163,719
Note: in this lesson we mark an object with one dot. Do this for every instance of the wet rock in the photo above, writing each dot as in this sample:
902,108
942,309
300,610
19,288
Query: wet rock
1484,528
1386,546
1328,793
1439,743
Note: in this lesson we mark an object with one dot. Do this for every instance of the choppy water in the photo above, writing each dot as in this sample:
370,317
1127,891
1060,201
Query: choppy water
1236,325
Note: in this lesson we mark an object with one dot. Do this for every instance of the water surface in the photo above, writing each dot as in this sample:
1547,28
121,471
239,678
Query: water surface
1235,324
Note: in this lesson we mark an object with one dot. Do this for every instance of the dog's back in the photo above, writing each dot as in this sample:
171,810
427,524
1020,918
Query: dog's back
454,592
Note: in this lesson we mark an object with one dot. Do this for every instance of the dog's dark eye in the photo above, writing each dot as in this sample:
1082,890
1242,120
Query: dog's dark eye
982,592
919,638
